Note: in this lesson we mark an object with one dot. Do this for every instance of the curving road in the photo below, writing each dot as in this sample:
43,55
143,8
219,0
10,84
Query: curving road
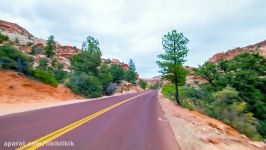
129,122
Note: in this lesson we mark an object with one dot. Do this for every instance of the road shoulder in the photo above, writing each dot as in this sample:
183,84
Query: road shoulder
11,108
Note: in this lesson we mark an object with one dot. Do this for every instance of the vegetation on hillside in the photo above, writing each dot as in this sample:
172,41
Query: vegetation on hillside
91,77
235,93
13,59
143,84
50,47
3,38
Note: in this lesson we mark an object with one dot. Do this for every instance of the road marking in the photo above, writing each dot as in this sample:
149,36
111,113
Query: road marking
49,137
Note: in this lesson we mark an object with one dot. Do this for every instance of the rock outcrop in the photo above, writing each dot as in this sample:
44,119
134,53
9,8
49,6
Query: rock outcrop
153,80
25,41
192,79
259,48
13,28
18,34
125,87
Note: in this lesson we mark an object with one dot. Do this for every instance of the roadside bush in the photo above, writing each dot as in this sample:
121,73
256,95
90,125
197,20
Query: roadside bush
118,73
168,91
86,62
229,108
155,86
105,75
245,73
238,117
3,38
142,84
85,85
45,77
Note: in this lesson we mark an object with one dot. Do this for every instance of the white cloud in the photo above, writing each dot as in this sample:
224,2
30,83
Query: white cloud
133,29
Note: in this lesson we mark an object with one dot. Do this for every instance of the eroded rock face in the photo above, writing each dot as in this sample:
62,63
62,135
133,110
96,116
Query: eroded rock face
192,79
66,51
13,28
230,54
18,33
153,80
23,37
125,87
125,67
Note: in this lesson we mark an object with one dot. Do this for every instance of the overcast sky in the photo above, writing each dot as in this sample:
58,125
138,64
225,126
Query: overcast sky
134,28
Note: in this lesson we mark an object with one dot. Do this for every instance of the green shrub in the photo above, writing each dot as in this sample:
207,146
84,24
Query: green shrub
85,85
29,44
105,75
118,73
168,91
59,73
50,47
245,74
3,38
11,58
17,41
229,108
86,62
35,51
43,64
45,77
142,84
155,86
236,116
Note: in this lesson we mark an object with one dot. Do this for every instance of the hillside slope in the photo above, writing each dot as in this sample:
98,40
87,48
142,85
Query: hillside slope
196,131
16,88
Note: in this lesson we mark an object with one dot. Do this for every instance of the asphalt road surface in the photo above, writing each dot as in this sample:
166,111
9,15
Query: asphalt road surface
129,122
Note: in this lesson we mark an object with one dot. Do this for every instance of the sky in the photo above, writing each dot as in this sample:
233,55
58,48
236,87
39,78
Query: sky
133,29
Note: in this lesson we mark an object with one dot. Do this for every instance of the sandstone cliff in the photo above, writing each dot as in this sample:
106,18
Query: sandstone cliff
230,54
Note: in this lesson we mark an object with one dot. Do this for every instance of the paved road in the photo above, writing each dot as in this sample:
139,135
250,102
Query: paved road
130,122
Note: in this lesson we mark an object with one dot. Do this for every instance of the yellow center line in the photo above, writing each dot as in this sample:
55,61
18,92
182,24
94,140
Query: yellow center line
49,137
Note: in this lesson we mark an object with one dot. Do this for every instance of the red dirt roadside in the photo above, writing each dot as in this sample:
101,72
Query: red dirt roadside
16,88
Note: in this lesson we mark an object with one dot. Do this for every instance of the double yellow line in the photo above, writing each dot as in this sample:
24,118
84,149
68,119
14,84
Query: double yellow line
45,139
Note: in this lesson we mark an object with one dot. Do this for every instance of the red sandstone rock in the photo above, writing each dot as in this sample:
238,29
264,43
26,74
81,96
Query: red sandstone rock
115,62
215,141
230,54
12,27
125,67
